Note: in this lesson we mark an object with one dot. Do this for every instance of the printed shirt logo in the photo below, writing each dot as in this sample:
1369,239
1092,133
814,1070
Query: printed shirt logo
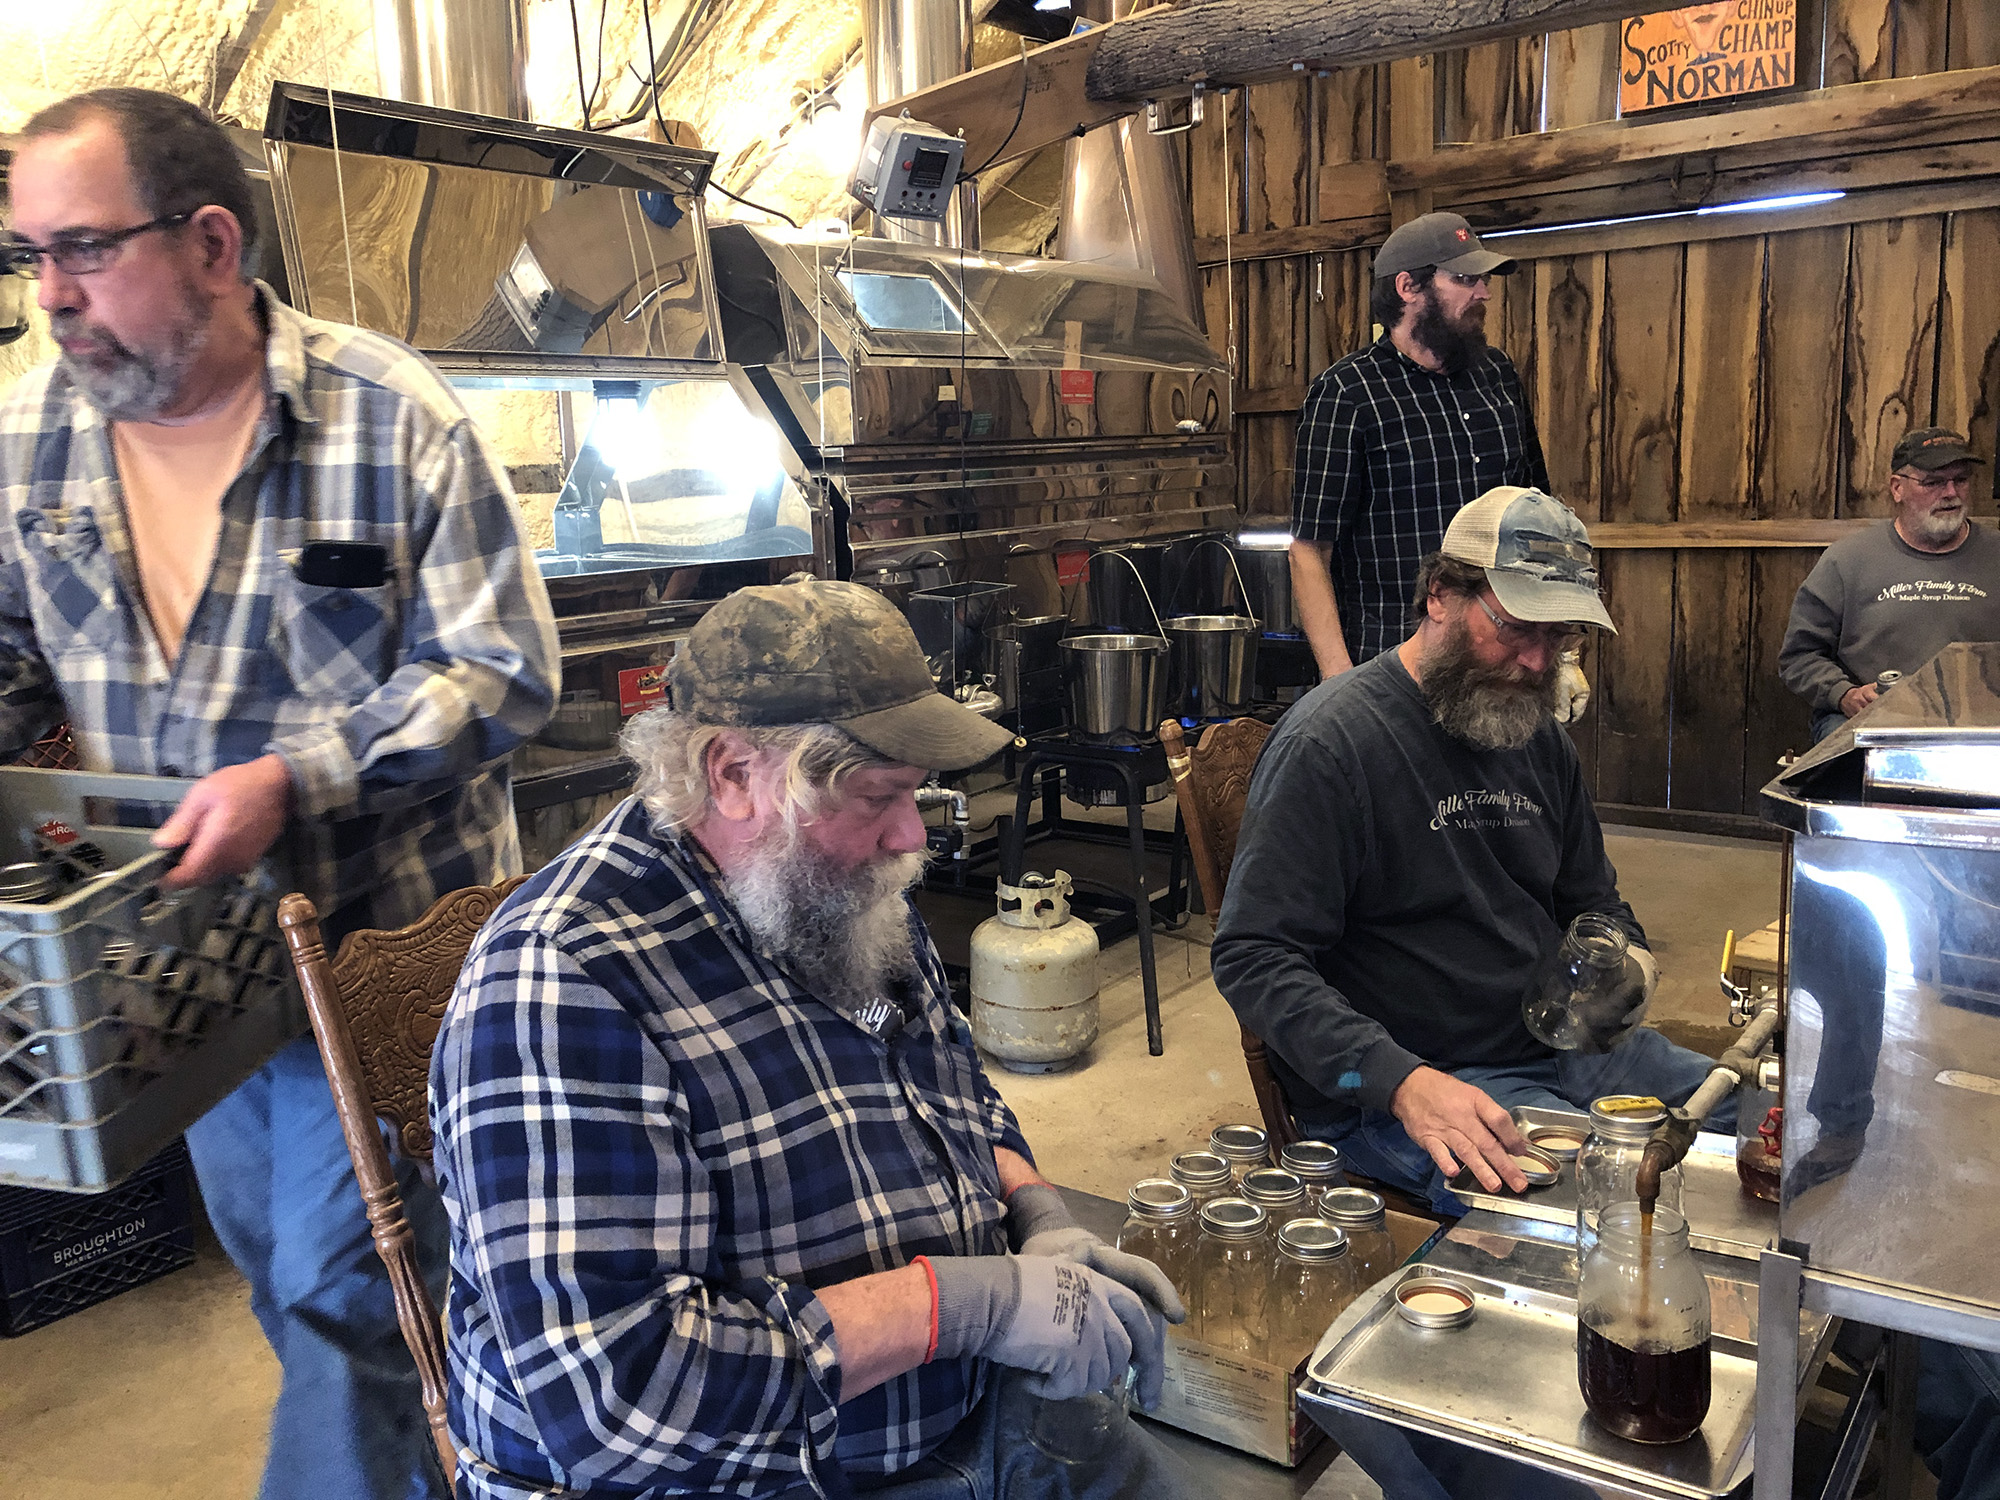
1480,807
1930,591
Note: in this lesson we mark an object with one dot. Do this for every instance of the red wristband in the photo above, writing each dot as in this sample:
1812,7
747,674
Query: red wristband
930,1347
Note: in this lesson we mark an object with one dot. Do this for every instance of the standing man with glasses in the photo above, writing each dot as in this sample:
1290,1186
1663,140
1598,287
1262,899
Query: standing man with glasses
1452,843
1396,437
1891,597
272,556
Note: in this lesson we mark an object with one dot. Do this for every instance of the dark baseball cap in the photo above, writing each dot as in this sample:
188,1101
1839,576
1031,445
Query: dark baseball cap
1933,448
1442,240
1536,553
816,652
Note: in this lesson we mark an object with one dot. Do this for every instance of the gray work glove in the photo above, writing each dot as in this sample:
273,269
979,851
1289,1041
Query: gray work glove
1078,1329
1610,1019
1039,1223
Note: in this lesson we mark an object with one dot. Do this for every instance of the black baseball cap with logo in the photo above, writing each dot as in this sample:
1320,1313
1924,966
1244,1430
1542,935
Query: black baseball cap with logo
1930,448
1442,240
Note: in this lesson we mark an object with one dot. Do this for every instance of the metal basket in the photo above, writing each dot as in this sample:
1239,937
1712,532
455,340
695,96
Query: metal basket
125,1011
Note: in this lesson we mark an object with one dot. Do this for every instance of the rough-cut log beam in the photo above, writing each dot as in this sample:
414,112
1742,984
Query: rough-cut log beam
1253,41
1157,53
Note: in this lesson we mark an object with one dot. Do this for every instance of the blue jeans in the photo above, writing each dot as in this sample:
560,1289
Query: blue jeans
990,1457
1644,1063
280,1190
1958,1419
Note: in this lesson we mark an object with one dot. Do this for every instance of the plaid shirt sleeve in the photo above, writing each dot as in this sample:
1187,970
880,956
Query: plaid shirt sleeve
478,658
1330,461
1535,465
640,1370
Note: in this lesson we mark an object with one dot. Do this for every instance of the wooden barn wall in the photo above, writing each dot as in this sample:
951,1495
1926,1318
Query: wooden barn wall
1756,379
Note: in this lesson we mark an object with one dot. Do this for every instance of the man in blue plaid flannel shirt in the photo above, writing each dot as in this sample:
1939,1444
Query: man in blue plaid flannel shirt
272,555
735,1209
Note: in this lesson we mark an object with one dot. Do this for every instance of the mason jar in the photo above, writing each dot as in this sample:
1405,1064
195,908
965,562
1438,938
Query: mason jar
1204,1174
1607,1169
1642,1327
1365,1217
1161,1225
1233,1271
1244,1147
1313,1285
1579,1002
1317,1163
1281,1194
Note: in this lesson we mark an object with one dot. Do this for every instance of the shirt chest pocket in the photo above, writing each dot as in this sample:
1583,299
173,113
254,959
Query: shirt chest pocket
73,585
334,642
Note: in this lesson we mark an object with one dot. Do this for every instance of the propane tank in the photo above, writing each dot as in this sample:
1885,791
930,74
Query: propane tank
1034,978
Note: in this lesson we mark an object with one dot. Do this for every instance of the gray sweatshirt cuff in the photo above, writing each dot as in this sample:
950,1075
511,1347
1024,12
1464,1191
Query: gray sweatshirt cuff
1383,1068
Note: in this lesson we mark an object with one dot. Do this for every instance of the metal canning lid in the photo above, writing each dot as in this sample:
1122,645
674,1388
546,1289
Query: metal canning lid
28,881
1274,1187
1560,1141
1353,1208
1626,1117
1157,1198
1435,1301
1240,1142
1312,1240
1538,1166
1233,1219
1315,1161
1199,1169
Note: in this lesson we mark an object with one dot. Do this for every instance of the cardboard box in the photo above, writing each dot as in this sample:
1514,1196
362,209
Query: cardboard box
1246,1403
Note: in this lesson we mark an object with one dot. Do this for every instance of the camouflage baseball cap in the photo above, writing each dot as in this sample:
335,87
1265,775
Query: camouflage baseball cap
815,652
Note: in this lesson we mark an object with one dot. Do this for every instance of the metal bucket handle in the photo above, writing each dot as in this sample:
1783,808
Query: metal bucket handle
1140,579
1242,593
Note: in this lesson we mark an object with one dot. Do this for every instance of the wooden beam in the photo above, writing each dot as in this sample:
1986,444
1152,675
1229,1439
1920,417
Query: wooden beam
1110,71
1233,42
1856,114
1676,536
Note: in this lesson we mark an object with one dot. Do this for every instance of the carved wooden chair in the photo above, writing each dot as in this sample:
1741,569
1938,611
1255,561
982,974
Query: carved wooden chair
375,1010
1212,781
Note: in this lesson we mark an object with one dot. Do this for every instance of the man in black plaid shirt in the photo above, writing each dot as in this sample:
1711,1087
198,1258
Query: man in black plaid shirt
1396,438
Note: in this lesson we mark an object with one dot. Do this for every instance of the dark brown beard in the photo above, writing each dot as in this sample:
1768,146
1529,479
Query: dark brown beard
1452,343
1489,708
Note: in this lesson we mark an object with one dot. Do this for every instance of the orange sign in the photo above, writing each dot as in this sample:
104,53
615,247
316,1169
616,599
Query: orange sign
1698,53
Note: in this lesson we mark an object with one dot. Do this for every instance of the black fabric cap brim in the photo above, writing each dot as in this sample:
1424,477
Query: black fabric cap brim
932,732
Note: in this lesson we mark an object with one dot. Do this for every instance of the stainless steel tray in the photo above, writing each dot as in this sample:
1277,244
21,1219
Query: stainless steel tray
1507,1383
1721,1216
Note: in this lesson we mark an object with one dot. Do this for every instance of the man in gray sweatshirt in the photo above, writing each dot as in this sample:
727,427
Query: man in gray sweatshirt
1891,597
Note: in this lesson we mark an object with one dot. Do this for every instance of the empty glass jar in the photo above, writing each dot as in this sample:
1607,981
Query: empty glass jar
1233,1270
1313,1285
1580,1002
1317,1164
1366,1219
1161,1225
1205,1175
1244,1147
1607,1169
1279,1193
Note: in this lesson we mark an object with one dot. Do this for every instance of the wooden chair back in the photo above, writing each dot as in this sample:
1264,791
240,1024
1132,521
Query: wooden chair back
1212,782
375,1010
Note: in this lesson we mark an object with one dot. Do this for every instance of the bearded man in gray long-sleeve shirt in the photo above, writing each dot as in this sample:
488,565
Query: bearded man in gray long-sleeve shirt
1417,838
1891,597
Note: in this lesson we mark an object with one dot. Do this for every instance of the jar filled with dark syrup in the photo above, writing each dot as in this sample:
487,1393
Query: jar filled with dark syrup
1643,1327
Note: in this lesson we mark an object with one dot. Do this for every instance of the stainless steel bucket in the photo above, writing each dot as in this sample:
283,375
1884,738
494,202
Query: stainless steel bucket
1215,664
1267,580
1117,686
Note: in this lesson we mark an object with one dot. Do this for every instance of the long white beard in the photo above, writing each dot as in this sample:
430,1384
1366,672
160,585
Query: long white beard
845,933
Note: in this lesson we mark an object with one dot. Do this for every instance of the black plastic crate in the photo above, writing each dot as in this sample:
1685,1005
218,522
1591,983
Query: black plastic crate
63,1252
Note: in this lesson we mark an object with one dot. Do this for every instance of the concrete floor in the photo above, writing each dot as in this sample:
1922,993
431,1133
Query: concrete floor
164,1393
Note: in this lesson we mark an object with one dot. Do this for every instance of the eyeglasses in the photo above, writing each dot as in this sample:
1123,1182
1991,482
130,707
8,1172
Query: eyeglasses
80,254
1518,636
1932,483
1460,279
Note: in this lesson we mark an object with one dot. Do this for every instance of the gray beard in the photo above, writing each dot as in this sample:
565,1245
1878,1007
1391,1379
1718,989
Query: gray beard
844,933
136,386
1933,530
1480,705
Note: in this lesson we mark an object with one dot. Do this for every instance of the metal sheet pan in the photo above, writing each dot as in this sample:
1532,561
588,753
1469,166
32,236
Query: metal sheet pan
1507,1382
1721,1216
